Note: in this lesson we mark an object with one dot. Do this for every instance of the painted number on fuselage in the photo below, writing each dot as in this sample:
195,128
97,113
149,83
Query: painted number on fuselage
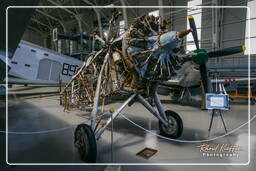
68,69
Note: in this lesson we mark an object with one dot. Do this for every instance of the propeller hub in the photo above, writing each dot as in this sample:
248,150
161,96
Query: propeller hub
200,57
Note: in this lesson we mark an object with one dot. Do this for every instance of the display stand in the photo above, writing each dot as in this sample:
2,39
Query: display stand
215,111
217,103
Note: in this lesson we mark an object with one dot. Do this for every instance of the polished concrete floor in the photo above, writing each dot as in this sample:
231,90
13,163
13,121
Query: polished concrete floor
30,112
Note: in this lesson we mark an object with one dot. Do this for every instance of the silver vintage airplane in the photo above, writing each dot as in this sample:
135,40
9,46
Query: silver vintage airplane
33,64
133,65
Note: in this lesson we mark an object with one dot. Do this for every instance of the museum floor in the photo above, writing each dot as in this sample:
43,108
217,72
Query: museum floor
52,139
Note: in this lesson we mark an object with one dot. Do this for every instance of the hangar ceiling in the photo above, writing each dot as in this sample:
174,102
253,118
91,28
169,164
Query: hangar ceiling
45,19
231,29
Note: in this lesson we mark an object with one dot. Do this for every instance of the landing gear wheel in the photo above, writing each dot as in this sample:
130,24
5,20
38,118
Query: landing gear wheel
85,143
175,126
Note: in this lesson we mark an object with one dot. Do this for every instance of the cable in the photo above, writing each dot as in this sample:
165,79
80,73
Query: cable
137,125
46,131
187,141
39,132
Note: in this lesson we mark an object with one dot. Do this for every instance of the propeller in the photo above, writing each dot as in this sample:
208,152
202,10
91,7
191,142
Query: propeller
202,55
203,67
227,51
192,25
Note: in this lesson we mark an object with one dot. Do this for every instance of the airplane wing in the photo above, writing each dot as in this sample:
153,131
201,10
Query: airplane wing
175,85
16,17
228,80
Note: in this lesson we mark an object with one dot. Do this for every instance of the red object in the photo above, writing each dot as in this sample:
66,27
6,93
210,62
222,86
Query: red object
230,80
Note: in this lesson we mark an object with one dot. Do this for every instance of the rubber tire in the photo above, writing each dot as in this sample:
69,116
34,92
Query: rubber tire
92,153
179,122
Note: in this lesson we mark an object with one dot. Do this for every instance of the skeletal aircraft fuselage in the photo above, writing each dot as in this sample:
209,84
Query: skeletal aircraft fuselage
135,62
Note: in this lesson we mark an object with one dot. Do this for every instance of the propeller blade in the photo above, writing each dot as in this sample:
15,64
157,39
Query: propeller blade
194,31
227,51
204,77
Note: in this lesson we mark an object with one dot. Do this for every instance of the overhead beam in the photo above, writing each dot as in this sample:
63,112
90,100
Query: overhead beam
65,9
70,12
36,30
39,22
53,18
98,16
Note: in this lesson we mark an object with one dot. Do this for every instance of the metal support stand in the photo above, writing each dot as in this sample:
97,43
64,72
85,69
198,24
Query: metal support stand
151,109
214,111
99,132
145,103
159,106
185,93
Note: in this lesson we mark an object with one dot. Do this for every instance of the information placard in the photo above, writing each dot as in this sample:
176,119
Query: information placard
217,101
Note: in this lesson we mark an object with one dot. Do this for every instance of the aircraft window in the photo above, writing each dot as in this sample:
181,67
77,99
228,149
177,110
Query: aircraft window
65,69
69,69
27,65
14,62
46,54
72,70
32,50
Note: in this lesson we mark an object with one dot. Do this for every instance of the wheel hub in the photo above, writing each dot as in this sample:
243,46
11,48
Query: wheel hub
172,126
81,142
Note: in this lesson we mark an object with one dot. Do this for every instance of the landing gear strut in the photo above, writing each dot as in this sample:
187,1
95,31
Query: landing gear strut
170,125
